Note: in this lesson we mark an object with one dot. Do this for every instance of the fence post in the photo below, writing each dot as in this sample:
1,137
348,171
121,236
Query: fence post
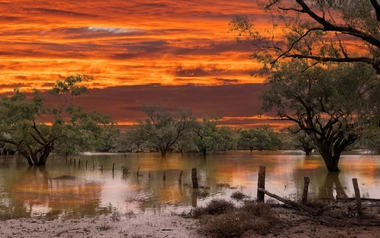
180,177
261,184
194,177
305,189
357,196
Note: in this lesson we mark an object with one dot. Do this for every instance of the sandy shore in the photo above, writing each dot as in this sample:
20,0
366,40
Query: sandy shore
136,225
294,223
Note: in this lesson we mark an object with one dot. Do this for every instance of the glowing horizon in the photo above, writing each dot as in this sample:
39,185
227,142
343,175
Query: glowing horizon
137,53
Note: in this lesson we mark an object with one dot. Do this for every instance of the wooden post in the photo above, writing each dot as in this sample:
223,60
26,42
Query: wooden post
93,166
149,175
113,167
194,177
305,189
164,177
70,161
75,161
78,162
86,164
138,171
357,196
180,177
261,184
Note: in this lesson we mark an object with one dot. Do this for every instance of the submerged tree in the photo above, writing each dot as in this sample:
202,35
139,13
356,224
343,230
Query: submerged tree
35,129
302,140
164,129
205,132
260,138
330,103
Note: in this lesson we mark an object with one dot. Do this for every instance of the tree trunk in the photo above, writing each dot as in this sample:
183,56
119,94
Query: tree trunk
331,161
204,151
163,152
43,157
308,151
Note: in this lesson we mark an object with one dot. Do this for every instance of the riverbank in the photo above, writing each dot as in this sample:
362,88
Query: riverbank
338,221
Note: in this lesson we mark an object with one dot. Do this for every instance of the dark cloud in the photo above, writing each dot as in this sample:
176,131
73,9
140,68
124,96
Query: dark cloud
56,12
124,103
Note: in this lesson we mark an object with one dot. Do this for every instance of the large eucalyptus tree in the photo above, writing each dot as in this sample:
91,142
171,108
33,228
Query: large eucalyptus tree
332,103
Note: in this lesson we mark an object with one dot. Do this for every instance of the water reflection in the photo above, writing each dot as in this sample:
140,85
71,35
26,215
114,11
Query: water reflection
72,189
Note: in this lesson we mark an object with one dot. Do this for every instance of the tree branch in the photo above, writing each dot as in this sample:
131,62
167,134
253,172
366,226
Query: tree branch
328,26
376,6
294,43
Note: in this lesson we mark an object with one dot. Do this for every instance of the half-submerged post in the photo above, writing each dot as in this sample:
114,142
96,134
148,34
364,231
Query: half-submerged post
180,177
164,176
194,177
305,189
357,196
261,184
86,164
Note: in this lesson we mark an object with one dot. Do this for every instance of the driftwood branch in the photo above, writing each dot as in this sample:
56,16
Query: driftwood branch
289,202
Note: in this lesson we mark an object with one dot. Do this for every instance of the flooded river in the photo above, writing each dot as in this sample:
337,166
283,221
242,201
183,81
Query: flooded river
86,185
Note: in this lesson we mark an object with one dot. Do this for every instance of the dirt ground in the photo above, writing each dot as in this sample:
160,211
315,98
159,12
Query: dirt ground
339,221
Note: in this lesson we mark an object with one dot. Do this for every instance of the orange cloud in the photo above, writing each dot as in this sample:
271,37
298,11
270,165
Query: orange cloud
169,53
123,42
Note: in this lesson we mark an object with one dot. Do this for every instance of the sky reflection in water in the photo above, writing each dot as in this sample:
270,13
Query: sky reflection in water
63,189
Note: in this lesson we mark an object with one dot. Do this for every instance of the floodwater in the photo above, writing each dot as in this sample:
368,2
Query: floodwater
69,188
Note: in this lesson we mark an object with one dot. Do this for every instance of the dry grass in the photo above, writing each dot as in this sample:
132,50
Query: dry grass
238,195
221,218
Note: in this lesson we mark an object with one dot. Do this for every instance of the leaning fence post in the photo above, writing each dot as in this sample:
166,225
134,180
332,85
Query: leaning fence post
194,178
357,196
261,184
305,189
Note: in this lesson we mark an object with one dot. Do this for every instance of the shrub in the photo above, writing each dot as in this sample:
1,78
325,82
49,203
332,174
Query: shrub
222,219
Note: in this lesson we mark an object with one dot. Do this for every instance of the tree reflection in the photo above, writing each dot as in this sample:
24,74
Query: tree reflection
35,192
332,182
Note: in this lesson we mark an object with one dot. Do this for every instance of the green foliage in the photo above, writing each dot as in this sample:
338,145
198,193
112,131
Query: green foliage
162,130
260,138
35,130
301,140
331,103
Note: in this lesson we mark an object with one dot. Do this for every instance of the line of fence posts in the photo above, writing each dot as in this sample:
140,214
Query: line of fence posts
261,193
260,184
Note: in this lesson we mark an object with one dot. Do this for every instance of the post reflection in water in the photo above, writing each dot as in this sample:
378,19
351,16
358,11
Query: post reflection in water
62,189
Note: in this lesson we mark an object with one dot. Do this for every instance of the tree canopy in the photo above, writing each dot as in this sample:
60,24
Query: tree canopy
331,103
320,30
35,129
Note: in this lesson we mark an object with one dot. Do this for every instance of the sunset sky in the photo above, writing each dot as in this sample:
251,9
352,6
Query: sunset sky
168,53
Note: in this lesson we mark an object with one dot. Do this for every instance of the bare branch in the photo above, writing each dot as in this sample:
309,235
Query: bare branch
328,26
376,6
292,9
271,4
294,43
